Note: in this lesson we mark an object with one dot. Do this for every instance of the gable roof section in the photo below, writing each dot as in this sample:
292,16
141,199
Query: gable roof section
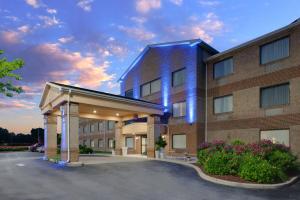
66,88
191,43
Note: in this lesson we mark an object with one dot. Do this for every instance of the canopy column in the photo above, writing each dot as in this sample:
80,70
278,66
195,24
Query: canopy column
153,133
70,132
50,137
119,138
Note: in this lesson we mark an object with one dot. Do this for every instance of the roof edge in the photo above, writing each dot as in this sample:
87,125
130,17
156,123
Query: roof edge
257,39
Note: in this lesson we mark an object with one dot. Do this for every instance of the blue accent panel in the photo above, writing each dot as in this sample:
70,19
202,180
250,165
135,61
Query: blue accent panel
191,84
122,87
136,86
165,78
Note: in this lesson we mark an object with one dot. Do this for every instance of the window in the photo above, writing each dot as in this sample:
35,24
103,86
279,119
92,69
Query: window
151,87
223,104
86,128
92,143
92,128
179,109
274,50
275,95
178,77
100,143
179,141
110,125
110,143
276,136
100,126
223,68
129,93
84,142
129,142
145,90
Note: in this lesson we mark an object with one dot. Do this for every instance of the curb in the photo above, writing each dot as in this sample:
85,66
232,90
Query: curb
231,183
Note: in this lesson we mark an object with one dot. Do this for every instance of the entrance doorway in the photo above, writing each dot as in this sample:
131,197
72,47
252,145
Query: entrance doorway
144,145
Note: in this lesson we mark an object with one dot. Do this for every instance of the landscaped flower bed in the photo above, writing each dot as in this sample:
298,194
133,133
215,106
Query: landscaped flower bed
13,148
261,162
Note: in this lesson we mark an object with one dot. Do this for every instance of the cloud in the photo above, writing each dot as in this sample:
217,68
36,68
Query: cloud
144,6
51,11
64,40
16,104
10,37
177,2
24,29
12,18
209,3
49,21
138,20
85,5
138,33
204,29
34,3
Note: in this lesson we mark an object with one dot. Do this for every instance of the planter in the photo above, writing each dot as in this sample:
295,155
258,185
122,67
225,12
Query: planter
113,152
156,154
162,153
124,151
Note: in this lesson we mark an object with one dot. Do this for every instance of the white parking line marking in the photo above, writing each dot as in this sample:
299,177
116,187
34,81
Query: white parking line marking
20,165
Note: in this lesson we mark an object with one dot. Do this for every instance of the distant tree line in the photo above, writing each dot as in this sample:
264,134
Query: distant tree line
9,138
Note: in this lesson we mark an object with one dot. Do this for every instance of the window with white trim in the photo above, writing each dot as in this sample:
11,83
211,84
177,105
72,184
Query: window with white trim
223,68
275,50
276,136
110,143
179,109
110,125
223,104
92,143
100,143
179,141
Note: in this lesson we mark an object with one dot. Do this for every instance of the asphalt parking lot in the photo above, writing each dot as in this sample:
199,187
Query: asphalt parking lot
25,176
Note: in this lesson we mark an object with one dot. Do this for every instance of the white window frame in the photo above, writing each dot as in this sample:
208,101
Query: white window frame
184,141
272,136
182,109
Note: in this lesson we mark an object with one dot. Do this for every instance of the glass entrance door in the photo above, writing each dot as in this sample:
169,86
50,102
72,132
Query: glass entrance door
144,145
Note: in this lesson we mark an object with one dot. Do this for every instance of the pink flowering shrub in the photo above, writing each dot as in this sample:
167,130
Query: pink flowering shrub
220,158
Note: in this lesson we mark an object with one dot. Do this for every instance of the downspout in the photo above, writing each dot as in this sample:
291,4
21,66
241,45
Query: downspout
206,102
68,130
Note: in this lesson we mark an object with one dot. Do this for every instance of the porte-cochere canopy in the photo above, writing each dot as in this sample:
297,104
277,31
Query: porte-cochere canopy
71,103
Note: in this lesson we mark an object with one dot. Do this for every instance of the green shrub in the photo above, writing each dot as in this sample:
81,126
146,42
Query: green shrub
237,142
202,156
254,168
83,149
282,160
222,163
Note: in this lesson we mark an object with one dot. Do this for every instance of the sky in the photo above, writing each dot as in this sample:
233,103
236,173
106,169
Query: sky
90,43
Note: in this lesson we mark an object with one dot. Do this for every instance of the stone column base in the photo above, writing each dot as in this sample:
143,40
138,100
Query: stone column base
118,152
74,155
150,153
50,153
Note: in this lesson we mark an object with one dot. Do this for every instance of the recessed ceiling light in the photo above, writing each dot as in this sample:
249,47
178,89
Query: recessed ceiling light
94,111
117,114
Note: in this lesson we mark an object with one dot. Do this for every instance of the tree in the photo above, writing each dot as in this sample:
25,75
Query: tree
6,73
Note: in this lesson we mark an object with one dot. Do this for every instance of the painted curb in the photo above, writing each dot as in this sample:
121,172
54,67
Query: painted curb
231,183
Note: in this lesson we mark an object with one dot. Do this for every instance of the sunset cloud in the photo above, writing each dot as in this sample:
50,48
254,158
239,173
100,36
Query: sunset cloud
10,36
49,21
144,6
34,3
138,33
177,2
65,39
16,104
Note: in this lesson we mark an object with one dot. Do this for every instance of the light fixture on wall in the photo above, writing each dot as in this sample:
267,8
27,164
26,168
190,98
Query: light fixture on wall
94,111
117,114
